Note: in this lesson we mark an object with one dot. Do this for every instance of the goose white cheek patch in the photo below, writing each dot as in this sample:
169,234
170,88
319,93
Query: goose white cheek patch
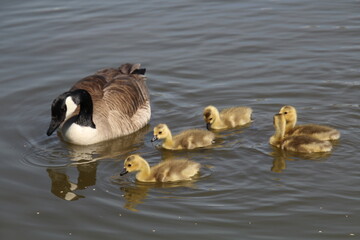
70,106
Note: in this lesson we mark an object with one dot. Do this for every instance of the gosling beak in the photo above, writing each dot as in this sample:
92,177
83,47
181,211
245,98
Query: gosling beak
208,126
155,138
124,171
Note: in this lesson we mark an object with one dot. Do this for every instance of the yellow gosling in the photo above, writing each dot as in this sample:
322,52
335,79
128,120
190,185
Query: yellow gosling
317,131
227,118
188,139
167,171
296,143
279,125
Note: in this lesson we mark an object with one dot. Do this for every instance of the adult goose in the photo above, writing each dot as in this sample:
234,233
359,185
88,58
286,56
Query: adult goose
109,104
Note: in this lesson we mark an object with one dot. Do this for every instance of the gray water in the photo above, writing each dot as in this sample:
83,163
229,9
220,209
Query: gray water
261,54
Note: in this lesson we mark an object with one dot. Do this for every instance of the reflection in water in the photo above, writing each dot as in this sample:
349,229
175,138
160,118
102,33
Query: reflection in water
62,187
135,195
279,163
85,159
108,149
280,158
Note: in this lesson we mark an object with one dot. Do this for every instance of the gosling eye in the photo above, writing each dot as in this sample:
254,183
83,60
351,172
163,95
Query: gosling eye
129,165
160,132
285,112
210,119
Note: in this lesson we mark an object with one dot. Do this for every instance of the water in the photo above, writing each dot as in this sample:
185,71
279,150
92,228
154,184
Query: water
262,54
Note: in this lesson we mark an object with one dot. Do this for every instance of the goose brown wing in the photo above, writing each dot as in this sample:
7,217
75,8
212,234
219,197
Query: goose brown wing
121,92
126,94
94,84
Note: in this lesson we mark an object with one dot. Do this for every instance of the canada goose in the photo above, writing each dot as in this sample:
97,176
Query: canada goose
109,104
166,171
317,131
227,118
188,139
296,143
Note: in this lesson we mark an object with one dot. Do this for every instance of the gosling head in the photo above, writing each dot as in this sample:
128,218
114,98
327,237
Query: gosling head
289,113
210,113
131,164
161,131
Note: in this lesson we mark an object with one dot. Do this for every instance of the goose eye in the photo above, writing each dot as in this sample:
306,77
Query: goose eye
129,165
160,132
210,119
285,112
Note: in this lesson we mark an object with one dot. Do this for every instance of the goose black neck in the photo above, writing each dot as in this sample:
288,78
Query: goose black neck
83,98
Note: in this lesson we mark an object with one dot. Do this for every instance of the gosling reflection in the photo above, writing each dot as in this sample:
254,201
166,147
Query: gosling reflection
137,194
282,157
279,162
62,187
86,160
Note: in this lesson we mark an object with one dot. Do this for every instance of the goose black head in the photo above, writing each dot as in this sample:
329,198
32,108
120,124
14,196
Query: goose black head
62,107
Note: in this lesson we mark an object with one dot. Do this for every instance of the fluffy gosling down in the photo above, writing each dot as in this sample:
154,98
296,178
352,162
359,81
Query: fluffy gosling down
188,139
296,143
227,118
167,171
317,131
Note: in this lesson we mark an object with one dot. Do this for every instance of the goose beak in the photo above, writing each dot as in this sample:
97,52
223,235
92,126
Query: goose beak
155,138
123,172
53,126
208,126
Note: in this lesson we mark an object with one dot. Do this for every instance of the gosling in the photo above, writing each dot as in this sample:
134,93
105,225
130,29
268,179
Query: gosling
188,139
167,171
296,143
317,131
227,118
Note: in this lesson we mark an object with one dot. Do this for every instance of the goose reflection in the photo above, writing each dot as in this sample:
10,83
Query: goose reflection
281,157
86,159
108,149
62,187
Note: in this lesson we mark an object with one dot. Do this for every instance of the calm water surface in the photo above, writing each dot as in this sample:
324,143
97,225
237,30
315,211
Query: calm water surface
262,54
